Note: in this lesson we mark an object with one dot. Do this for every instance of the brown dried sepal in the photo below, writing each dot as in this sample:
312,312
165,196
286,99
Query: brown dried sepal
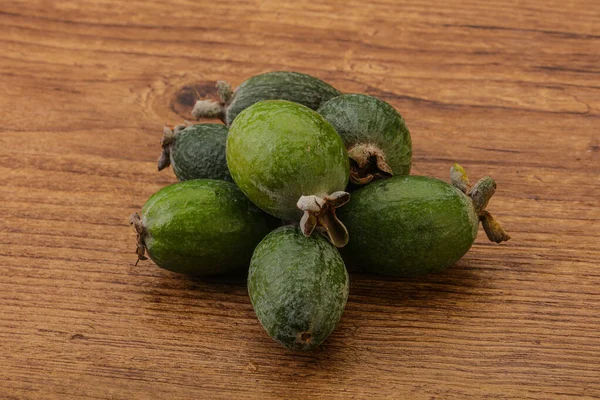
140,230
493,229
367,163
167,142
319,213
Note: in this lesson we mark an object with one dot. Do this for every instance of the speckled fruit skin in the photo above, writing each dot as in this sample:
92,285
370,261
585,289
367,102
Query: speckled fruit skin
278,151
360,118
198,152
202,227
282,85
298,287
408,226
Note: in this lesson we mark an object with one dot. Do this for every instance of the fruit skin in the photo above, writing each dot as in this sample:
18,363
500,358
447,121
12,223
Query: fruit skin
278,151
279,85
366,121
198,152
202,227
298,287
408,226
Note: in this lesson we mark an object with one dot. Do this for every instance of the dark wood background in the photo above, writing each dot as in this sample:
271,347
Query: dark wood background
506,88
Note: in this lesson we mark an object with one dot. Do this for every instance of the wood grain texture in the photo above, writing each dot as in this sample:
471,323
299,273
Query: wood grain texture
507,88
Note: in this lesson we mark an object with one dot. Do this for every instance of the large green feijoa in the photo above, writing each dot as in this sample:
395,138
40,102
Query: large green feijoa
298,286
414,225
195,151
291,163
200,227
279,85
375,135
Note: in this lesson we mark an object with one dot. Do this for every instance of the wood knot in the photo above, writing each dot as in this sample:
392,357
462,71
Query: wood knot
184,99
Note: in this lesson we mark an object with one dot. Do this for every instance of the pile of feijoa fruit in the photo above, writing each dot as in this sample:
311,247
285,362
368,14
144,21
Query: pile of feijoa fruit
299,182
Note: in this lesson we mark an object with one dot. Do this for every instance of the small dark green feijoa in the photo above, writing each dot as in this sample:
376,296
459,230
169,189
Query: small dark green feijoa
279,85
195,151
200,227
414,225
292,164
298,287
377,139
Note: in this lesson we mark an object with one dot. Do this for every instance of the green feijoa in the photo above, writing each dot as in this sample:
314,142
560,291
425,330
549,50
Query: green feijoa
414,225
298,286
280,85
200,227
375,135
291,163
195,151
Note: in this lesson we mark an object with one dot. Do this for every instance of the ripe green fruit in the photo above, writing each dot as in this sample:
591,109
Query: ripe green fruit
195,152
375,135
200,227
291,163
280,85
298,287
414,225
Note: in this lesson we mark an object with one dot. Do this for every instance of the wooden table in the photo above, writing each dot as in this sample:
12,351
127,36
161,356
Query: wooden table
507,88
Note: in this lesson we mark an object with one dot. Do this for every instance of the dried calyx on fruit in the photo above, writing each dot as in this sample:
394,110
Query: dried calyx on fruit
480,194
377,139
319,213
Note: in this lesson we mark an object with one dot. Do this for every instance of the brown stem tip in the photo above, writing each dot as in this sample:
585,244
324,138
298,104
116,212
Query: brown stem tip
320,213
367,163
140,250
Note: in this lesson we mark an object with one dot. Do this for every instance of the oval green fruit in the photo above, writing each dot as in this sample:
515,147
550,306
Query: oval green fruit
196,152
291,163
414,225
279,85
298,287
200,227
377,139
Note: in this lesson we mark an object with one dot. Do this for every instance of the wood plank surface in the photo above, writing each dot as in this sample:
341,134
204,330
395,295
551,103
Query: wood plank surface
505,87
